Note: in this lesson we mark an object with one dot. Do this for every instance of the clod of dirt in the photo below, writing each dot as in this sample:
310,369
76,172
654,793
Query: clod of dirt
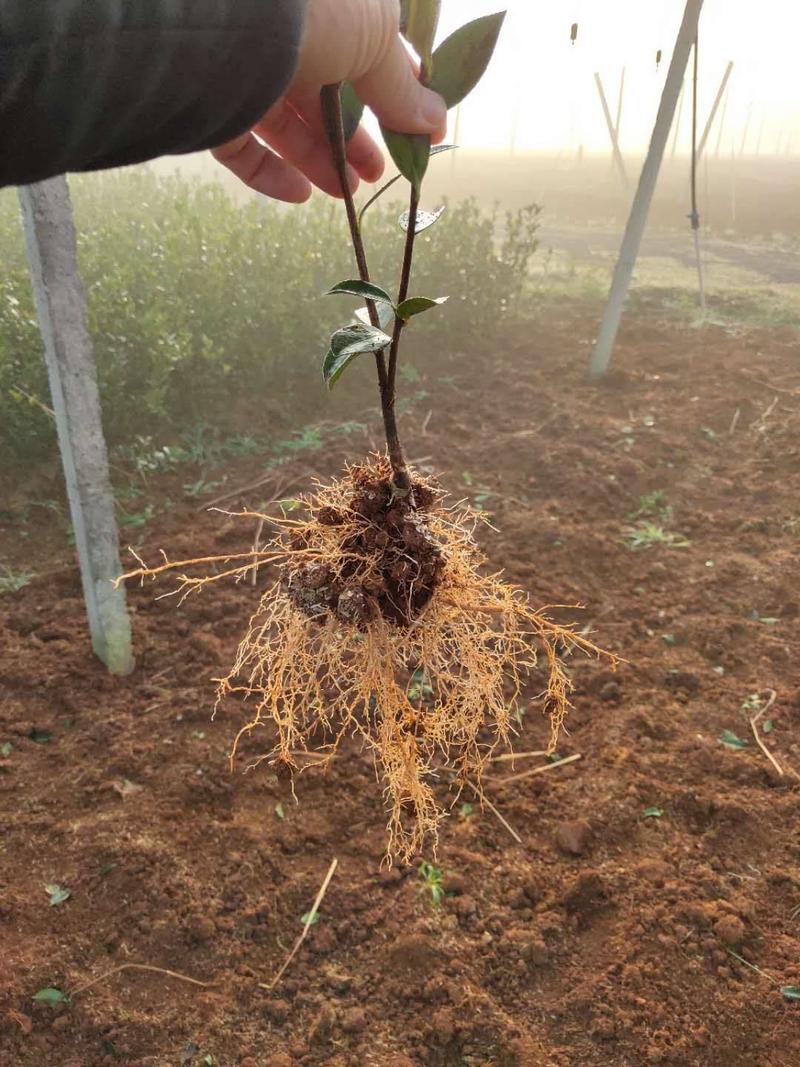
390,559
354,1020
321,1029
573,837
730,930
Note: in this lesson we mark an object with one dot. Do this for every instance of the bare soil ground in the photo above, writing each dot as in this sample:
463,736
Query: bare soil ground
606,937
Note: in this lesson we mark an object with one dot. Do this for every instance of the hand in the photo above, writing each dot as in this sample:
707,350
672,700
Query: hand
344,40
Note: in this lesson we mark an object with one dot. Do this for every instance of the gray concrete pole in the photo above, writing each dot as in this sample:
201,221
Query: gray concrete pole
618,160
637,220
710,123
61,306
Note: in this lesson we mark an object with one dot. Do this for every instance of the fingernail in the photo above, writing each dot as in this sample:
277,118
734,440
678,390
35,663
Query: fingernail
433,111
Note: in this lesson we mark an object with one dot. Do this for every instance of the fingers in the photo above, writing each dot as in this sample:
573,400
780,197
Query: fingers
401,103
363,153
262,170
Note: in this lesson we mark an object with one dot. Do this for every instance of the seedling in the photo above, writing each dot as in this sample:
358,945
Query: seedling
732,740
13,581
647,534
652,506
432,882
652,813
58,894
309,918
51,996
381,621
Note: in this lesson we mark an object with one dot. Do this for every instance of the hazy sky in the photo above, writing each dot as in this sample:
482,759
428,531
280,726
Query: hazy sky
540,78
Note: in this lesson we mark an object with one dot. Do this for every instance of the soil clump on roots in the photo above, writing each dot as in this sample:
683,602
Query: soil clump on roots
382,623
391,561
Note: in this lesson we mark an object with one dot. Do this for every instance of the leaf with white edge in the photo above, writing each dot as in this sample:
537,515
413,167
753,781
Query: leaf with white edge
790,992
460,62
418,23
347,344
425,219
443,148
385,316
352,110
366,290
51,996
415,305
410,152
652,813
58,894
732,740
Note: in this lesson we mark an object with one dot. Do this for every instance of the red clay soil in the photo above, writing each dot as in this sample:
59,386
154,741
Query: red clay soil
606,936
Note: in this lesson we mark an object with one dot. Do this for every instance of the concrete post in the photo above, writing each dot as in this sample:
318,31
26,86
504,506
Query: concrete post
61,306
637,220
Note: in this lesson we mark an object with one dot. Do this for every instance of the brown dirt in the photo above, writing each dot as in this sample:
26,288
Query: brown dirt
603,938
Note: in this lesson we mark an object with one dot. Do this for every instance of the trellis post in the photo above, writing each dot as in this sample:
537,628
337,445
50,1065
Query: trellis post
61,307
637,220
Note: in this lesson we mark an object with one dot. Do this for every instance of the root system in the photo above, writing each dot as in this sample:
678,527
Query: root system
381,623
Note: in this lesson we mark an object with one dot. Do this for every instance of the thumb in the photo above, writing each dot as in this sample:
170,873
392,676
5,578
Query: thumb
396,96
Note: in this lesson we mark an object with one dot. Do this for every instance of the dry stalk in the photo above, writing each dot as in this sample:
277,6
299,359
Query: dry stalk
309,922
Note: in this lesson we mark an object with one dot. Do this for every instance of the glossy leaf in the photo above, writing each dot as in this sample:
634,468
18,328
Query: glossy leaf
790,992
732,740
418,24
385,316
366,290
352,110
425,219
460,62
51,996
410,152
415,305
347,344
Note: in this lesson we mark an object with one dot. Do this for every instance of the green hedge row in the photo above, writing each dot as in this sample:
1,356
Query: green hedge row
200,304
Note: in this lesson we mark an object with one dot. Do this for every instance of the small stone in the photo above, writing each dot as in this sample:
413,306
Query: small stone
730,930
465,907
573,837
611,692
354,1020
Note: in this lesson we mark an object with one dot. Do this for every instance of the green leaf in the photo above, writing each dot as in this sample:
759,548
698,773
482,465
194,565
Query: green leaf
425,219
208,1060
348,343
415,305
58,894
790,992
466,810
6,749
280,812
418,23
41,737
732,740
460,62
767,726
366,290
309,919
410,152
652,813
352,110
51,996
385,316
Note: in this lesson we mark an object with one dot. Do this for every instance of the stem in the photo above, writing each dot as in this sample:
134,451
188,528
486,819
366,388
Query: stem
332,118
405,281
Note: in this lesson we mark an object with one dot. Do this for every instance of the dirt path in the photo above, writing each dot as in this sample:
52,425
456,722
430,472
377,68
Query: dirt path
777,265
606,937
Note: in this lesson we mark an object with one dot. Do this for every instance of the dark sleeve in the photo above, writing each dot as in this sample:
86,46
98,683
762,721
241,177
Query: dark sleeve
86,84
